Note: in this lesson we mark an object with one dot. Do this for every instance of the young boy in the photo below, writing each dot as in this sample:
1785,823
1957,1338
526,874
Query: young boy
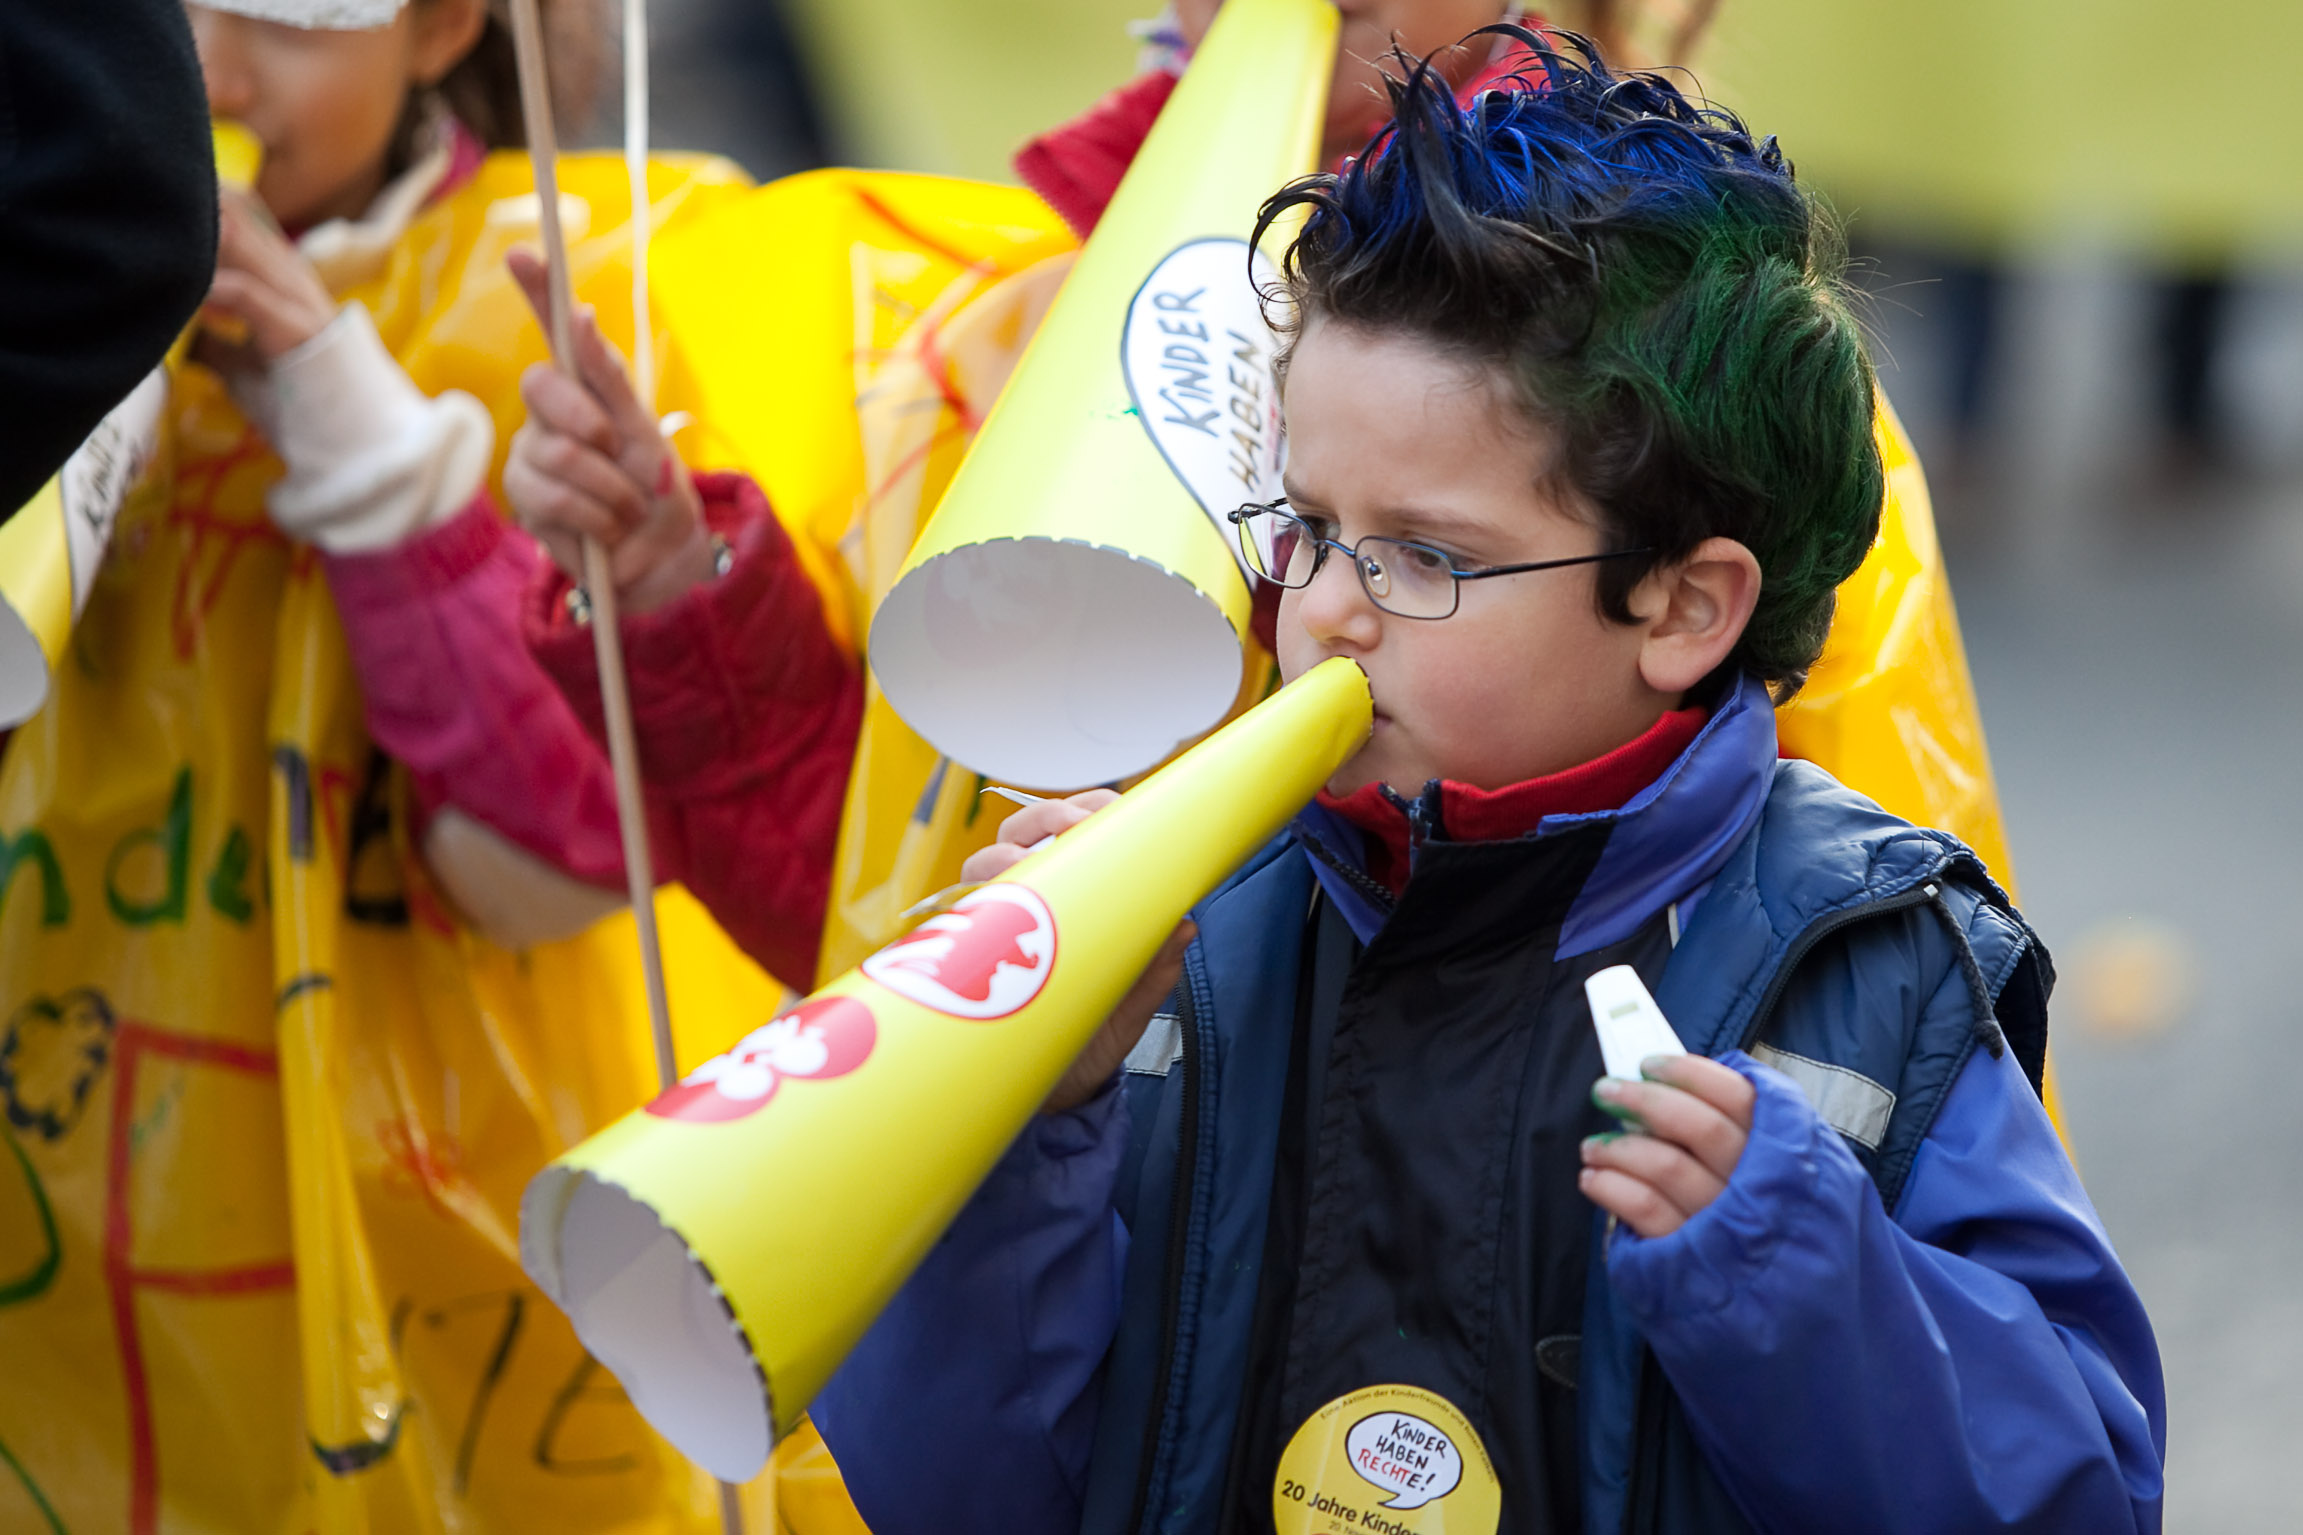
1580,446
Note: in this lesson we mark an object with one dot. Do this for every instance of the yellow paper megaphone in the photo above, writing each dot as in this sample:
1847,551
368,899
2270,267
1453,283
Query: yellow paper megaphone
1074,610
722,1249
50,549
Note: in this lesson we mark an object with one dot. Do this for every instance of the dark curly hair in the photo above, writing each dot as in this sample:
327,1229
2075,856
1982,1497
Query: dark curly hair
1655,289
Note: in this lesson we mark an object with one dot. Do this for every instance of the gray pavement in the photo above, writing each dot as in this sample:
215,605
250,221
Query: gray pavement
2138,667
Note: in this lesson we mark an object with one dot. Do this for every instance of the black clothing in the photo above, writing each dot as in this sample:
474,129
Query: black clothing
1426,1228
107,215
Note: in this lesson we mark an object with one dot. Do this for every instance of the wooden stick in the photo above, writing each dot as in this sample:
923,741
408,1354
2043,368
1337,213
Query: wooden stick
636,112
599,579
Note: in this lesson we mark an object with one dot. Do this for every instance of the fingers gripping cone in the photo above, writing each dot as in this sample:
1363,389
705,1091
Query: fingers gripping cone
1074,609
49,550
722,1249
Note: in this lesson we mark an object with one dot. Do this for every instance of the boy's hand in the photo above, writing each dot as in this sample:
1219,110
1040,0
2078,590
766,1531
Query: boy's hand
266,300
1697,1115
1021,832
591,462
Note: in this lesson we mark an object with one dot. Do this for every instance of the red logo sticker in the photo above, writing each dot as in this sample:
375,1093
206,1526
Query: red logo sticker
985,958
828,1037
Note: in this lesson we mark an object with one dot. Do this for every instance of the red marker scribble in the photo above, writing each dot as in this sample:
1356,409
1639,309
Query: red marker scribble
125,1276
826,1037
420,1163
201,483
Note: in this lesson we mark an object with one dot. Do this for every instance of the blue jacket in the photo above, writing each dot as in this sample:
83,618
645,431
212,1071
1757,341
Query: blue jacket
1902,1313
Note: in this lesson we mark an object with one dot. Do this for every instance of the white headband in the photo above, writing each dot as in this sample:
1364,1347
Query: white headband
314,15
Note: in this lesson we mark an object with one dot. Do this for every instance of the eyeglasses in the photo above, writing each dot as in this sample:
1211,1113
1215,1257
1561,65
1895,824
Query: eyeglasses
1408,580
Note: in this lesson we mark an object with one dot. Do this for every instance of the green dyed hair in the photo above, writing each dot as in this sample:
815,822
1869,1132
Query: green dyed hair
1657,291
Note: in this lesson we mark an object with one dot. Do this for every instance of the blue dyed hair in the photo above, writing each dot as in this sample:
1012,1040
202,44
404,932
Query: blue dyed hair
1657,291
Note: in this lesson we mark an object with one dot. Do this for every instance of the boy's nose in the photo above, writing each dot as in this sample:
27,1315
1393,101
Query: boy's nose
1334,608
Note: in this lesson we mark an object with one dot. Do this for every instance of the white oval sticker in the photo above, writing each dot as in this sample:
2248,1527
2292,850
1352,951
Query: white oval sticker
1198,360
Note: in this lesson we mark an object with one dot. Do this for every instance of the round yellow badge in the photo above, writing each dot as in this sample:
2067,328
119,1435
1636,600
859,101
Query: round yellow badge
1394,1460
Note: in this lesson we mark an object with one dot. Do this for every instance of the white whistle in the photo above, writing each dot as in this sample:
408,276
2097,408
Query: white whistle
1631,1027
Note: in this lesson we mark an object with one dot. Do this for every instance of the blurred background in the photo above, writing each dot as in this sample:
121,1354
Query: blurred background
2080,227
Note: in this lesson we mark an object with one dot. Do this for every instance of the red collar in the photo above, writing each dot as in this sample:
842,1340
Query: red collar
1467,814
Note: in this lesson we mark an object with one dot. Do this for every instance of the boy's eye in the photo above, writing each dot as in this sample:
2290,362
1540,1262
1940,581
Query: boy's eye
1425,561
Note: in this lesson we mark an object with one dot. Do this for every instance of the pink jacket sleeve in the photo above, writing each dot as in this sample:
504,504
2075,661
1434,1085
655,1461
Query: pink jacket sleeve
747,712
433,625
745,708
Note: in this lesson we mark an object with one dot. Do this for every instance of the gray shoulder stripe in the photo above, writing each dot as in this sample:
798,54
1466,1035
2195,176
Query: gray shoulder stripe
1848,1101
1160,1048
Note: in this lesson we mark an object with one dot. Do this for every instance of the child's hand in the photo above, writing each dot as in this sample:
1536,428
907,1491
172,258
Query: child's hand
1019,833
1697,1115
264,287
591,462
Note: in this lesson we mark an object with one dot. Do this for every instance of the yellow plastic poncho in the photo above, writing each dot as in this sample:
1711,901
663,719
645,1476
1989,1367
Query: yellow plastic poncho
269,1106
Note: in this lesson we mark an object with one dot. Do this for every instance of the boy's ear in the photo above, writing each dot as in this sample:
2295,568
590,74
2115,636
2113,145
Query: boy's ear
1695,611
445,31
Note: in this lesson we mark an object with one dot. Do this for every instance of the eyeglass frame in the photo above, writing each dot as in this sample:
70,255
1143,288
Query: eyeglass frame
1278,506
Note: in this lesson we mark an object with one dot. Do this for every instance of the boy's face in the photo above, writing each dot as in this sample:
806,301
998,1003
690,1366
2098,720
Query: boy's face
1356,104
1387,435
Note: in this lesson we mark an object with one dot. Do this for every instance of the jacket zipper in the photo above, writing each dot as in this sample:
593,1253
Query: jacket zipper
1377,896
1646,1399
1179,1235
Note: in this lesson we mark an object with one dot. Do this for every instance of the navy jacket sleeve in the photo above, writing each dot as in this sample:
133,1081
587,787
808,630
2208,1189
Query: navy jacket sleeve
107,215
1978,1363
970,1405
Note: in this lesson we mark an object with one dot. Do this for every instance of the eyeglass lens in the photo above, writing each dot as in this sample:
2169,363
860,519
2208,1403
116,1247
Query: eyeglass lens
1407,579
1400,577
1282,547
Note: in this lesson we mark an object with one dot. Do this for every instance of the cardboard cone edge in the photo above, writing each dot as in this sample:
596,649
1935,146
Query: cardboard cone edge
723,1248
1073,612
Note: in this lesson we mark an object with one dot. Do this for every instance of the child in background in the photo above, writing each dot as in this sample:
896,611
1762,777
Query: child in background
515,805
226,925
1588,340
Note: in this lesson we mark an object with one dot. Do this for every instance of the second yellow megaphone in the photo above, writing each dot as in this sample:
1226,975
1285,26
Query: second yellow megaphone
1073,612
722,1249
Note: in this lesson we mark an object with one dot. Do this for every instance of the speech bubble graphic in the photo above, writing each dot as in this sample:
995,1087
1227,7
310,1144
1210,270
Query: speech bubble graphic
1406,1456
1198,360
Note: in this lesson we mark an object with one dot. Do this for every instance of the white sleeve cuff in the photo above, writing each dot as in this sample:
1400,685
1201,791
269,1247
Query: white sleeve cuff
371,459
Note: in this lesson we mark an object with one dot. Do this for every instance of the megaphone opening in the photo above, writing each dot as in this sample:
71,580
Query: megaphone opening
648,1310
1054,664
